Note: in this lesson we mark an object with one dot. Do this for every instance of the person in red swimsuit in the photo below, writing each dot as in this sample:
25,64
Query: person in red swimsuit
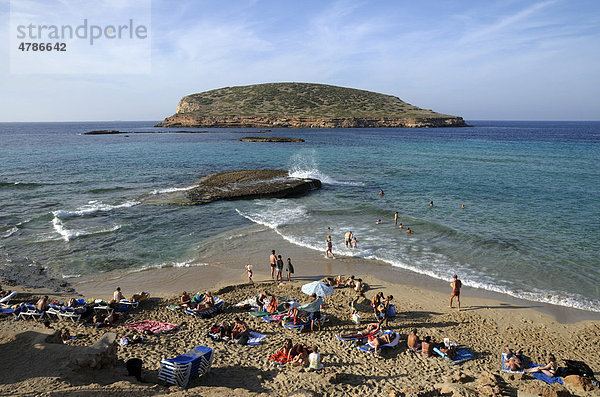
456,284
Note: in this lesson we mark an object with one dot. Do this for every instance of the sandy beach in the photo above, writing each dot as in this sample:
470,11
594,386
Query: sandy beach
484,325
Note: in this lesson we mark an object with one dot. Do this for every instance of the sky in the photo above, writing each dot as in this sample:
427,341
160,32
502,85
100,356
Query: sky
482,60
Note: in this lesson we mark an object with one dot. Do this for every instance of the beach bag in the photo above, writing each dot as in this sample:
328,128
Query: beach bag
391,311
356,319
580,368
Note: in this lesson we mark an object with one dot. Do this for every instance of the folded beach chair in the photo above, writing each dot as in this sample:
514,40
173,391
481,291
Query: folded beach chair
30,311
179,370
369,348
460,356
505,367
8,297
373,333
217,308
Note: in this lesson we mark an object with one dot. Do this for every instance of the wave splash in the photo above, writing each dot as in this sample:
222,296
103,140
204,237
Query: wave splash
93,207
69,235
305,166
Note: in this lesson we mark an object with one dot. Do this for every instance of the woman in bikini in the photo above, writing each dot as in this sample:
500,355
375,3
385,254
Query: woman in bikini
548,369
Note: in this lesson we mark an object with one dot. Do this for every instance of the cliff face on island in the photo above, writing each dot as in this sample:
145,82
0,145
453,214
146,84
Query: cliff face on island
301,105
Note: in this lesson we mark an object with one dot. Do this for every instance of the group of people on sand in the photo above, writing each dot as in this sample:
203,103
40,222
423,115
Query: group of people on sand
300,355
199,302
238,330
276,263
516,362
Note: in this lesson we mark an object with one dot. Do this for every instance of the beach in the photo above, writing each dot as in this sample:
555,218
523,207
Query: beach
484,325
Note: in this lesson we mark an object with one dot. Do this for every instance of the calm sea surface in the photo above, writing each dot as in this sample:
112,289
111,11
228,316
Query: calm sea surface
531,227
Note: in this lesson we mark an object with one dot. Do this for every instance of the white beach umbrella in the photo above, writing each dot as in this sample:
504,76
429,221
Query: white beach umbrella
317,287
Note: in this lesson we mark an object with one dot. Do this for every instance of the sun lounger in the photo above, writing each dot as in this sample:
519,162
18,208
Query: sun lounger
129,303
8,297
179,370
54,310
72,313
374,332
460,356
369,348
505,367
30,311
9,311
217,308
291,325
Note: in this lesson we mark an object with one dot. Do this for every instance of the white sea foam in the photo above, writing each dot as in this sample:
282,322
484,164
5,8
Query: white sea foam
71,275
69,235
93,207
304,165
10,232
274,213
167,265
172,189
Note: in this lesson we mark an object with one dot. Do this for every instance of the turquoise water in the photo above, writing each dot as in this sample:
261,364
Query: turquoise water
78,204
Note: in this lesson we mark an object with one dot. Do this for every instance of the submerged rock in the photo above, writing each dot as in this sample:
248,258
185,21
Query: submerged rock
249,184
269,139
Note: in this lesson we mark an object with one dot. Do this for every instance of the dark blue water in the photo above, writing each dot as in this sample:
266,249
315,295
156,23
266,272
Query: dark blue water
85,204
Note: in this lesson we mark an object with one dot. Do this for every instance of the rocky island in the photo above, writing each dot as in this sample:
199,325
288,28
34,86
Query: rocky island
301,105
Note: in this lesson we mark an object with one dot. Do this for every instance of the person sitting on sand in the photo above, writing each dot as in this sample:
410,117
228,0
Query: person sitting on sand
225,330
413,342
548,369
427,346
261,301
382,340
117,296
287,348
314,360
112,318
367,331
272,306
42,303
514,361
65,335
300,356
350,282
208,303
240,329
358,286
185,299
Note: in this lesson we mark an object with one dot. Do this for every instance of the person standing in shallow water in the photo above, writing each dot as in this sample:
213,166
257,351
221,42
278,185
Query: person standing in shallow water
329,247
456,284
396,218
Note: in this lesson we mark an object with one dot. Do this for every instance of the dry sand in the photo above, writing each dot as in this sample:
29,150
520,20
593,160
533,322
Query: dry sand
484,325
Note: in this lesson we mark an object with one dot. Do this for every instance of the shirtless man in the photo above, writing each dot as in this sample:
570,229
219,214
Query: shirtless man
396,218
427,347
273,261
348,239
456,284
42,303
413,342
514,361
117,296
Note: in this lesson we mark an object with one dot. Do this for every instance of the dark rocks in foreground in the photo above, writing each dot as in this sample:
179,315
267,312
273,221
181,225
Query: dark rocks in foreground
269,139
249,184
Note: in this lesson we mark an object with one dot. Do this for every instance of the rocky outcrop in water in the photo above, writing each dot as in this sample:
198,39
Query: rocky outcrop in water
249,184
269,139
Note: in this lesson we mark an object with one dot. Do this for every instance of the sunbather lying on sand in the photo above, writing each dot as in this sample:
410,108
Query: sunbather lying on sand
383,340
370,329
514,361
548,369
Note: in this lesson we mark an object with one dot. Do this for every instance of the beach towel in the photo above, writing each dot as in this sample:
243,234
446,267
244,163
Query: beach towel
460,356
369,348
207,313
255,338
505,368
279,357
152,326
274,318
373,333
543,377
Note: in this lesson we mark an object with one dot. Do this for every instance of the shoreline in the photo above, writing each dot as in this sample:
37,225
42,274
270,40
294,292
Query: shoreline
226,267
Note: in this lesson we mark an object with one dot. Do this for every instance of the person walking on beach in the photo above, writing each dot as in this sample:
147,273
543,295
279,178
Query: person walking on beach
273,262
249,270
396,218
348,239
279,268
329,247
456,284
289,269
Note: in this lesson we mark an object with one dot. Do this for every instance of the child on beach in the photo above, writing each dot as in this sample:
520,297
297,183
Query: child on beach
329,246
249,271
354,242
289,268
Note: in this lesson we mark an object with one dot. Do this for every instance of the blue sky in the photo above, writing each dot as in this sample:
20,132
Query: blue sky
500,60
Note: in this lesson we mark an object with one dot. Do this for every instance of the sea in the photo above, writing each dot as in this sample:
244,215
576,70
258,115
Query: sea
87,204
